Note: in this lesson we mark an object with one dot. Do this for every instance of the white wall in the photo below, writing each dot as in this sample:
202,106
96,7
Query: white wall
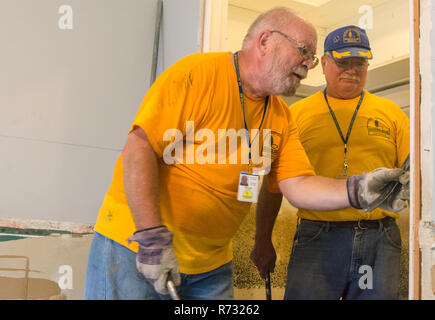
181,31
215,25
68,97
426,231
427,70
389,35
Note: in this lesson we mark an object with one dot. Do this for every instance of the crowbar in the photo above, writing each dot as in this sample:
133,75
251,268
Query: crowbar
172,291
268,291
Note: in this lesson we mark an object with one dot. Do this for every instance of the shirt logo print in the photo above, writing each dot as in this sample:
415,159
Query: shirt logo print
378,127
275,140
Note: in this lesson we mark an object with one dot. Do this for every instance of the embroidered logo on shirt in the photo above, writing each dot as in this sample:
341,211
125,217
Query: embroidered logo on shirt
378,127
275,141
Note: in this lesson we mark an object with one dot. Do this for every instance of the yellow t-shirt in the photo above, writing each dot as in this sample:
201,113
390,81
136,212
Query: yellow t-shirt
379,138
198,97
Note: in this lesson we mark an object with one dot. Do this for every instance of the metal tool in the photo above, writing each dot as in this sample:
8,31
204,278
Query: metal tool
389,189
268,291
172,291
156,41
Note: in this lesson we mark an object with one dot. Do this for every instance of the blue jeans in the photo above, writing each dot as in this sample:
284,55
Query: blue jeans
329,263
112,275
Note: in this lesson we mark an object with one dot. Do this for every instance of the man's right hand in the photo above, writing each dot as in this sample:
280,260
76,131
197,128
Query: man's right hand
263,256
156,259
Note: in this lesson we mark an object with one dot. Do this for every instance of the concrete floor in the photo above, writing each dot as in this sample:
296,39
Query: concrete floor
49,267
54,267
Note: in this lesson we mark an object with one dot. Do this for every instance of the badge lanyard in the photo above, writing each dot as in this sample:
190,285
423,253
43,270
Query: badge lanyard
242,101
345,164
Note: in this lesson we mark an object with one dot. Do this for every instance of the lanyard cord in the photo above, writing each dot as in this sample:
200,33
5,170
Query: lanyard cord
351,122
242,101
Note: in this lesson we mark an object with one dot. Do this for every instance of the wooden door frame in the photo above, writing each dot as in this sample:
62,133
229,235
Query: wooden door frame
415,254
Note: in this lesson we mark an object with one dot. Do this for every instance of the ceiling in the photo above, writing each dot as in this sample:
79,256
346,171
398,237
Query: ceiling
323,15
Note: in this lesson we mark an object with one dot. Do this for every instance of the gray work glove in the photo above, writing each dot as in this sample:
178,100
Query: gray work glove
404,181
365,188
156,259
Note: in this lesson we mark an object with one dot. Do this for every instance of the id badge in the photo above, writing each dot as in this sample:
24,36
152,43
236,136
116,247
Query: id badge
248,187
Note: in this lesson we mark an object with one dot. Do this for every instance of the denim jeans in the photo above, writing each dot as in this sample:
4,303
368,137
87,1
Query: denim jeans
329,263
112,275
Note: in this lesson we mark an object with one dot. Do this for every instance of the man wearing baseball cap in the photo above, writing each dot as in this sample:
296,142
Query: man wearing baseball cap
345,131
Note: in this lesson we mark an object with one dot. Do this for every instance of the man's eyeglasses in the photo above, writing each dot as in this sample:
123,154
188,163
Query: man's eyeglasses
348,63
305,53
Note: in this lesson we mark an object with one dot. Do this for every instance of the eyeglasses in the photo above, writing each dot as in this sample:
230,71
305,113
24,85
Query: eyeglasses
359,64
305,53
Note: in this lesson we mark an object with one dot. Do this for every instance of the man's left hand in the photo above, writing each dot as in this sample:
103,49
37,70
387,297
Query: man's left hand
364,189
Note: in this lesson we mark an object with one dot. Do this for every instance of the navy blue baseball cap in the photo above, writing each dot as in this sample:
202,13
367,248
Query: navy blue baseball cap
346,42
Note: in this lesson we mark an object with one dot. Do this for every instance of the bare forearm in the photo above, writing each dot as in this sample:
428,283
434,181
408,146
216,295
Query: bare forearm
140,170
315,193
263,254
267,210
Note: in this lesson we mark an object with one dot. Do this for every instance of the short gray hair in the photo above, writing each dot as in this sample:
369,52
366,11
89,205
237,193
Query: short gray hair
275,18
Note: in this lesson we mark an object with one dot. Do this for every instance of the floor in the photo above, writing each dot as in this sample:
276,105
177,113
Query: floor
54,267
51,264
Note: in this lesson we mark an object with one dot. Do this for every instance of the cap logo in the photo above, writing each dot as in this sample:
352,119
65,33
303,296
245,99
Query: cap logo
351,35
336,39
367,54
339,55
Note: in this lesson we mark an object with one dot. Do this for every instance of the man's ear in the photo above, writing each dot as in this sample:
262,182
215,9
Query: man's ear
323,62
264,41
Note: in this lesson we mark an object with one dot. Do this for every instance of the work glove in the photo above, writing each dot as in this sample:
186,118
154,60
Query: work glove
404,181
156,259
364,189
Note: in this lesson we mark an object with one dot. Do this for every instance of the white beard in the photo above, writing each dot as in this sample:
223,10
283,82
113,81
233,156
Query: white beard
283,81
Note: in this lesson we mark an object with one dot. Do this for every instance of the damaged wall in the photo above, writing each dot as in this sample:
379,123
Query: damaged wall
43,259
49,268
427,72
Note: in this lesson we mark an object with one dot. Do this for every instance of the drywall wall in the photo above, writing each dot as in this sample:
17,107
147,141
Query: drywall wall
388,33
73,76
69,97
181,31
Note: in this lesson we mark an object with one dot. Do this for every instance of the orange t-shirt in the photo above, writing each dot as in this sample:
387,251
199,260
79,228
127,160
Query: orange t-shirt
197,100
379,138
